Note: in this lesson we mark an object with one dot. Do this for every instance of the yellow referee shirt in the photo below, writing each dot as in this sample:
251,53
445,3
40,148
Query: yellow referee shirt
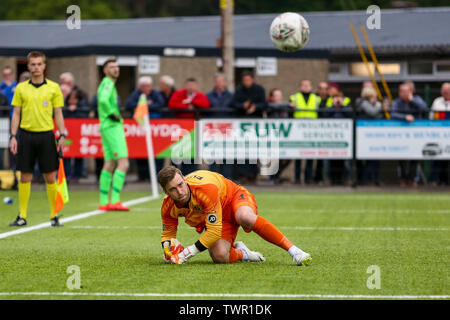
37,103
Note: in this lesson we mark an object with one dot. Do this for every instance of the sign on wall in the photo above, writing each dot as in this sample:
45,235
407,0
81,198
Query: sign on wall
149,64
401,140
266,66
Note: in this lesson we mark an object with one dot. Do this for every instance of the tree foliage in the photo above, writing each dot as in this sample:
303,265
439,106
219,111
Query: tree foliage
116,9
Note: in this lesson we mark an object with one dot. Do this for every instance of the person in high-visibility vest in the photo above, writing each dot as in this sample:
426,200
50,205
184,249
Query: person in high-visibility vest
306,102
333,90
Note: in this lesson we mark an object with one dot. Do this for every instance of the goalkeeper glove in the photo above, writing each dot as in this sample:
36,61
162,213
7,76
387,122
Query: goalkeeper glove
167,255
171,248
114,117
183,256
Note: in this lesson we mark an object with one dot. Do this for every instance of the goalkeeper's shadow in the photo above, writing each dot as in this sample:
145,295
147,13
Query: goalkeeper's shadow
155,262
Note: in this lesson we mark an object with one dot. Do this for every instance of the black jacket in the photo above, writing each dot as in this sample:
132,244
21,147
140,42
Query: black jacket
256,94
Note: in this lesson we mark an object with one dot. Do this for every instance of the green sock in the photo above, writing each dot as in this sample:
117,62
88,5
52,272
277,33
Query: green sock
118,181
105,183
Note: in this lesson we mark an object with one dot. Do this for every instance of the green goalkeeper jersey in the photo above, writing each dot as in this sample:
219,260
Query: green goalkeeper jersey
107,104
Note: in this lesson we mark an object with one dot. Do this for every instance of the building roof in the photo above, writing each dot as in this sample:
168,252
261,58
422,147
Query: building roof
402,31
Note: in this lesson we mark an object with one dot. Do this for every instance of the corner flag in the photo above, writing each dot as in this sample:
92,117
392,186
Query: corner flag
141,115
141,112
62,193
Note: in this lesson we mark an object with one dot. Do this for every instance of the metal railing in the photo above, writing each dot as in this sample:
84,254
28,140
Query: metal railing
282,110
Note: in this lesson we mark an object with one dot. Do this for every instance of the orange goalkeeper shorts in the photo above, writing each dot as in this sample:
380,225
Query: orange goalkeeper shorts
242,197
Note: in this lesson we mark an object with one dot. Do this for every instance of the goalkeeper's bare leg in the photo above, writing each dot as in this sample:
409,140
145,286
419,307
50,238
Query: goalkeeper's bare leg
247,218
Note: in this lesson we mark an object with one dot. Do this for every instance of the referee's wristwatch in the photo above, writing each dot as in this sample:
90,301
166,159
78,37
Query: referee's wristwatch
12,136
62,135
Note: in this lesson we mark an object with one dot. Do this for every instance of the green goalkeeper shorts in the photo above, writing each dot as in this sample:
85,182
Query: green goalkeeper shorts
114,143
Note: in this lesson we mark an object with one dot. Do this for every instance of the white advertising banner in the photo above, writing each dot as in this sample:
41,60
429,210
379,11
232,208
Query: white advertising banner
401,140
280,138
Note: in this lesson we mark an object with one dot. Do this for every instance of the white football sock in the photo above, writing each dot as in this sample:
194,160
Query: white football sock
244,254
294,250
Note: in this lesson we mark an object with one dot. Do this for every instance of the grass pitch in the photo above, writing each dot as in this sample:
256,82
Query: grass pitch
406,235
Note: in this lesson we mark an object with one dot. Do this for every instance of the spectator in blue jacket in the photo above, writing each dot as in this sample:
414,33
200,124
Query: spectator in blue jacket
408,107
8,85
220,97
154,99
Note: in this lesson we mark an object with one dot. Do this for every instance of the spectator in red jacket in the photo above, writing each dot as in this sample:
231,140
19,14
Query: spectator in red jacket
188,98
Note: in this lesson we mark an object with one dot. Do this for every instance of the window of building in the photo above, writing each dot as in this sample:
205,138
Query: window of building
334,68
443,67
420,67
360,69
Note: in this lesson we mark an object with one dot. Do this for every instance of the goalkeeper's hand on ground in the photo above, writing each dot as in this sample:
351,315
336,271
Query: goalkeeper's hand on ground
171,247
185,255
114,117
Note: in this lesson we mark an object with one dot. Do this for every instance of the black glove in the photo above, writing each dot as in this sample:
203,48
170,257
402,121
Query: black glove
114,117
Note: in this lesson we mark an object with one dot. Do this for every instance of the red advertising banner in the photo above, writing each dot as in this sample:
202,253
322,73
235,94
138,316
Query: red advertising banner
84,139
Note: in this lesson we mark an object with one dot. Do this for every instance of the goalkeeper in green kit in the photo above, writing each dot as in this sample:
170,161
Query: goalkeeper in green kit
113,139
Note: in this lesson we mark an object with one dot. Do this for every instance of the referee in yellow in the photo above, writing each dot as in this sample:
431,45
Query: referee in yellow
35,102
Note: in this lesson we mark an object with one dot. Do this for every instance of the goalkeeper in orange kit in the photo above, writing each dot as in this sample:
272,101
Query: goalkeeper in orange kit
216,207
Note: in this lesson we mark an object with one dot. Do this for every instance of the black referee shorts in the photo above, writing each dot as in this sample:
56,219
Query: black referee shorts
40,146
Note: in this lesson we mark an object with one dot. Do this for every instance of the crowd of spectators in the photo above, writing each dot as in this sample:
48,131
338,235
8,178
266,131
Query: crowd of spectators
249,100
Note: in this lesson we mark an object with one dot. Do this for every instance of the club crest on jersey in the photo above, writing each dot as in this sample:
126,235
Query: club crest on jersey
197,207
212,218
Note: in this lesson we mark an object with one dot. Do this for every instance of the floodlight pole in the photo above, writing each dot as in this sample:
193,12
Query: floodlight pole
227,41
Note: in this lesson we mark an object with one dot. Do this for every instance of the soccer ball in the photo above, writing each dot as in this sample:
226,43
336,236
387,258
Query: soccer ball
289,32
8,200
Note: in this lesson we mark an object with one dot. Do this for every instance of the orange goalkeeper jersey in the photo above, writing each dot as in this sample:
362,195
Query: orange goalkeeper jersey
210,193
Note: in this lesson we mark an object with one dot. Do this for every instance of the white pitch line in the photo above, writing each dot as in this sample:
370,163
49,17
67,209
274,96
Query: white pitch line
225,295
368,228
73,218
363,211
359,197
284,228
115,227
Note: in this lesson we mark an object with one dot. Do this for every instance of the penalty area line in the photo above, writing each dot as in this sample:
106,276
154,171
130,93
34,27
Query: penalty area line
226,295
75,217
